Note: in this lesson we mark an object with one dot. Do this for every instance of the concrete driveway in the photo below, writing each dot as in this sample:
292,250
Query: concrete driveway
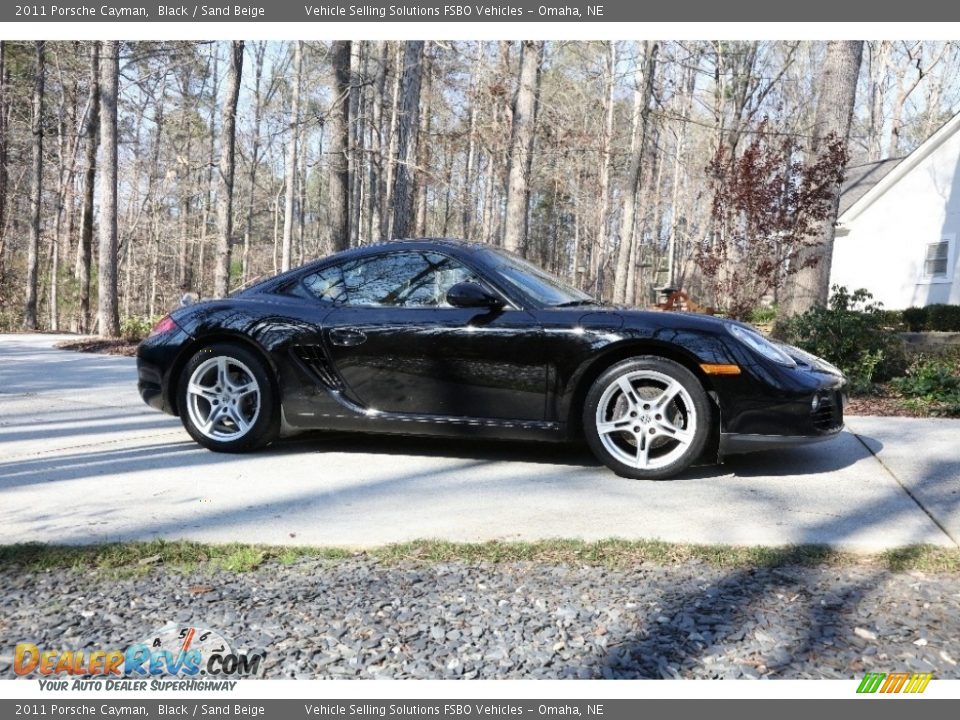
83,460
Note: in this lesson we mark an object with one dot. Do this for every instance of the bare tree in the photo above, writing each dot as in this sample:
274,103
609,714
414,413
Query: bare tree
521,145
259,50
291,169
85,245
36,188
905,88
837,93
606,143
424,160
108,315
407,130
646,68
4,144
3,149
228,127
338,123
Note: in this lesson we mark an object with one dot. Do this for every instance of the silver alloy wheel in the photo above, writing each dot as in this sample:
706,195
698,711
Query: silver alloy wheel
646,419
223,399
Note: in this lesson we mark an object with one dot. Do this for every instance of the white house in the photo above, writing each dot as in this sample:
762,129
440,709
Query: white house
898,225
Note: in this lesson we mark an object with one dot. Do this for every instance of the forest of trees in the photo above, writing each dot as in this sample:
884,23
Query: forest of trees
131,171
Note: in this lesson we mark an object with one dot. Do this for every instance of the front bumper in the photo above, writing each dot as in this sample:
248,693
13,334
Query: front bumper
807,425
736,444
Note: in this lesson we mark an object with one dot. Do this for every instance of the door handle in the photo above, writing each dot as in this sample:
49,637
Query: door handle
347,337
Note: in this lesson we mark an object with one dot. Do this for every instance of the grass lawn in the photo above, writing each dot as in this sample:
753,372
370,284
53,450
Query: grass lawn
183,556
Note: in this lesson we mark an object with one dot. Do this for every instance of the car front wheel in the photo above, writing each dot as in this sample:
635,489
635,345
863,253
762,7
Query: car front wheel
226,400
647,418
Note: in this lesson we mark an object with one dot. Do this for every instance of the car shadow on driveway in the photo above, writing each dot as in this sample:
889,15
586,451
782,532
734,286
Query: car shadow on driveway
841,452
156,454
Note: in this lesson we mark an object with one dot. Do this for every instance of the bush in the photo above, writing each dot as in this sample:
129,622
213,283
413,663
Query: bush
851,333
932,384
943,318
915,318
939,317
136,327
892,319
763,315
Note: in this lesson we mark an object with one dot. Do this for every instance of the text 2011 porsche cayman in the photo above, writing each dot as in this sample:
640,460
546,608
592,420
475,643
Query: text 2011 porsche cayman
445,338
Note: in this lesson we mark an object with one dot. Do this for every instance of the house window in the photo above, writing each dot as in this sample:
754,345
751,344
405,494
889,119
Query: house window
938,260
935,265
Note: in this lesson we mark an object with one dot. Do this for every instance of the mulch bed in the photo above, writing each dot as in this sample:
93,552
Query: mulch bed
107,346
884,405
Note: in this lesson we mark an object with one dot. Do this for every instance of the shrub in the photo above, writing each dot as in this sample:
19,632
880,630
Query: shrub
852,334
136,327
915,318
932,384
763,315
892,319
943,318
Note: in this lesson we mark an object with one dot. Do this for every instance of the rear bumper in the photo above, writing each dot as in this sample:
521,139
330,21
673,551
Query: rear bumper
157,359
150,385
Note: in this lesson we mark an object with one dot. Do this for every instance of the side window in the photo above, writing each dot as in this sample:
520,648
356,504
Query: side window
404,279
326,285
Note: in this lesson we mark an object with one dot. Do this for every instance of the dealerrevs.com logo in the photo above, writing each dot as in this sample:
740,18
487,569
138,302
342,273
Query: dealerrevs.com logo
889,683
197,657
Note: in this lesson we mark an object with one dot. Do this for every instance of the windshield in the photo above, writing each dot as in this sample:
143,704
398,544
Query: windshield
539,285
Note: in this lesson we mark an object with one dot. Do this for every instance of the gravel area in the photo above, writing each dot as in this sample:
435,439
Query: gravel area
361,618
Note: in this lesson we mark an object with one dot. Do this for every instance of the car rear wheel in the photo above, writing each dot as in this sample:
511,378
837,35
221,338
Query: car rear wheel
647,418
226,399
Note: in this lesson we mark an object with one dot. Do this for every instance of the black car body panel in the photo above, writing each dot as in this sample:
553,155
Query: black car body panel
520,370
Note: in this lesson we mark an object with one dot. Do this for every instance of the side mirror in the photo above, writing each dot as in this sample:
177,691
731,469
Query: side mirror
471,295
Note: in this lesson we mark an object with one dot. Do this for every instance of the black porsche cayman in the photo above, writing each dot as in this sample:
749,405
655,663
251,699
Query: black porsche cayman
446,338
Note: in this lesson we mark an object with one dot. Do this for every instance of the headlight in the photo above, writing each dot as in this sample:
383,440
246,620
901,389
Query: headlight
757,342
815,361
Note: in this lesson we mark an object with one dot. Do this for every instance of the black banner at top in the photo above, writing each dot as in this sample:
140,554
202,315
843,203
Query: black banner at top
476,11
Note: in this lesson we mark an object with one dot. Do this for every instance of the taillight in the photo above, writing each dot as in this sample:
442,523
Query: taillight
164,325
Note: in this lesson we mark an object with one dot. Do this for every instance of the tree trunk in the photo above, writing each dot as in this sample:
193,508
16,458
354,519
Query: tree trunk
678,168
603,205
291,168
258,53
36,189
468,186
355,159
386,197
221,282
211,162
407,131
108,313
373,217
641,110
810,286
3,152
423,144
338,166
85,246
521,145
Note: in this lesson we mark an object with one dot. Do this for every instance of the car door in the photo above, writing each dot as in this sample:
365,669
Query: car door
400,348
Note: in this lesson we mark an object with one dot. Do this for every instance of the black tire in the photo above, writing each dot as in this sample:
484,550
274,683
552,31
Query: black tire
262,426
664,439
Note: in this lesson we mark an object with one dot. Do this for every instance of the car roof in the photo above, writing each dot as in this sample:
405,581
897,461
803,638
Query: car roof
416,243
427,243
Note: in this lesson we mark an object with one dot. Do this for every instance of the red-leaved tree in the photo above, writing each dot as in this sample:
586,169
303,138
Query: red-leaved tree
766,205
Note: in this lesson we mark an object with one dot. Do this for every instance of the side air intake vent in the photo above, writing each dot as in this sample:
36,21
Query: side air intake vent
315,359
